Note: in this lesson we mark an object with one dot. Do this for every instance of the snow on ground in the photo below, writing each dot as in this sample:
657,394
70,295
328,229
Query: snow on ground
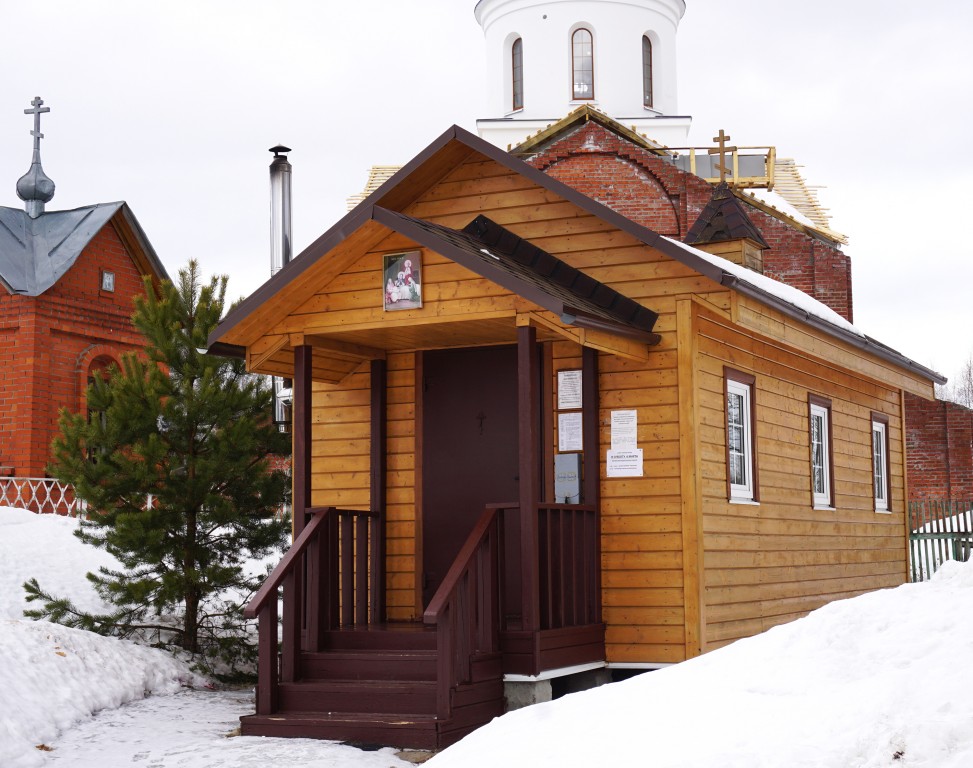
73,698
879,681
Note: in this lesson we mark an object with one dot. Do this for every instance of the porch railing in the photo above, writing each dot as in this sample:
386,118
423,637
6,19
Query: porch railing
331,576
939,530
466,608
569,565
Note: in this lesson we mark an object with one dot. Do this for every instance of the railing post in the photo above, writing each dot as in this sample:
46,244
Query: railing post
291,631
295,587
378,482
267,670
592,467
528,411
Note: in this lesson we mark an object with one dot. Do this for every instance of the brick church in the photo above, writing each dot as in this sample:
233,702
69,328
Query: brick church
69,279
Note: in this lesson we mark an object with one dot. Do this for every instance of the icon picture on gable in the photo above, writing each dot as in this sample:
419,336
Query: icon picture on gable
403,283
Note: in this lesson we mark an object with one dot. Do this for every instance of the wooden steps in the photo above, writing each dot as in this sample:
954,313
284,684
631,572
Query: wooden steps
379,686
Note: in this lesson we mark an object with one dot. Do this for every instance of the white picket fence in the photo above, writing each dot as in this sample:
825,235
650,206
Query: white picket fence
40,494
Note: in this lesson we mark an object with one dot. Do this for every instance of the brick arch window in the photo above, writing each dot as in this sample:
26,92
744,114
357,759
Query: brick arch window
94,361
99,368
583,64
646,71
517,73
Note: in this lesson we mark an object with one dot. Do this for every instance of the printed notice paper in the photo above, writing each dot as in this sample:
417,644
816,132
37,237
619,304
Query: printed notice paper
627,463
568,390
570,436
624,430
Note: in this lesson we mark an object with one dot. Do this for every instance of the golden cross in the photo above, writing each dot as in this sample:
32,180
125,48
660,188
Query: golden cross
723,149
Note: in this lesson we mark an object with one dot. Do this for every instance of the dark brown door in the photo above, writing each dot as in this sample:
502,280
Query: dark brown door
469,445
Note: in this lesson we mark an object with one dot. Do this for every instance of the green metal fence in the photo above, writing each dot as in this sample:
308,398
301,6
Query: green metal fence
938,531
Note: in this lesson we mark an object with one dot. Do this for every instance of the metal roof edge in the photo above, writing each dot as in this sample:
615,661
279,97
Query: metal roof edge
143,241
863,342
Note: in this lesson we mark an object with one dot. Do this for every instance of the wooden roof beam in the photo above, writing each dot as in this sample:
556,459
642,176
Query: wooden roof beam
339,349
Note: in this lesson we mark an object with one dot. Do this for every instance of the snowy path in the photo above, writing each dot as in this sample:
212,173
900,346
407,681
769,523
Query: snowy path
190,730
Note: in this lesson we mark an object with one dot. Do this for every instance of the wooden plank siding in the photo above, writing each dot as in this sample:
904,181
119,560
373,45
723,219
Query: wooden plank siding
340,466
771,562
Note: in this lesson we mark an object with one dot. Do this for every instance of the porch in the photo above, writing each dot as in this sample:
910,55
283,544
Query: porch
521,596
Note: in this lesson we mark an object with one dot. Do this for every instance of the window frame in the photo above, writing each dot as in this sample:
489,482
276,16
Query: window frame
821,406
517,74
880,425
648,95
574,68
744,384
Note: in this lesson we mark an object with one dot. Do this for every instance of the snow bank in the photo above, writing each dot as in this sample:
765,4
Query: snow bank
53,677
879,680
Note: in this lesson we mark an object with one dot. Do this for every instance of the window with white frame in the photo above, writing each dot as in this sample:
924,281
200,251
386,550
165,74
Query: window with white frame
517,73
822,483
741,463
880,462
646,71
583,64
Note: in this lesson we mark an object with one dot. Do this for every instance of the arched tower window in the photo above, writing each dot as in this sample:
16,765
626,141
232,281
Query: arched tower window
583,64
517,68
646,71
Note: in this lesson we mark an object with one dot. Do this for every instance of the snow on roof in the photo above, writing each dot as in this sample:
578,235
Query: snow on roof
781,204
787,293
796,199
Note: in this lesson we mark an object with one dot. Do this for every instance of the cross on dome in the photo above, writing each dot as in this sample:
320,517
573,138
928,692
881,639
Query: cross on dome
35,188
37,111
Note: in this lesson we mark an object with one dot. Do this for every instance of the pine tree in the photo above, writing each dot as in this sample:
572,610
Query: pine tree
173,462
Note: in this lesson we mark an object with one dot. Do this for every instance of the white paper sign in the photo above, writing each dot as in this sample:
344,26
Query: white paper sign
624,430
568,390
626,463
570,436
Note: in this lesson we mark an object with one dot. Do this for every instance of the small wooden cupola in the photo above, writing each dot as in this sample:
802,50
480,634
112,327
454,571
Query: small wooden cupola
724,229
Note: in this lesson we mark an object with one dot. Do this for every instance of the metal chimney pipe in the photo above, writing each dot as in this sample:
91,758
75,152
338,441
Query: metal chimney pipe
280,209
280,256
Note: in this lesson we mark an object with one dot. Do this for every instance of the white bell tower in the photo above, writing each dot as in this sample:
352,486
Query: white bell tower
546,58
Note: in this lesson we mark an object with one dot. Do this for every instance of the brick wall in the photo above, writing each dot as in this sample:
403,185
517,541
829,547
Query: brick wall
939,441
654,193
49,343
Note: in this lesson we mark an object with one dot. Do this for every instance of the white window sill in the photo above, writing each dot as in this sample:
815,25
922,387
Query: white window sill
883,511
825,508
751,502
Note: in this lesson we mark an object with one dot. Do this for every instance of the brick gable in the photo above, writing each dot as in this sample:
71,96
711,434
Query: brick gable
648,189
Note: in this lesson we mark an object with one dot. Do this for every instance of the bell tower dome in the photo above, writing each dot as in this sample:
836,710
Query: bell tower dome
546,58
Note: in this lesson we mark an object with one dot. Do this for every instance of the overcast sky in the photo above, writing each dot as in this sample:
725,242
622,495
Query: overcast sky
172,106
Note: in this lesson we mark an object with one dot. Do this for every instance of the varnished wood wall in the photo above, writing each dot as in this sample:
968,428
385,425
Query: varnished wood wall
771,562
